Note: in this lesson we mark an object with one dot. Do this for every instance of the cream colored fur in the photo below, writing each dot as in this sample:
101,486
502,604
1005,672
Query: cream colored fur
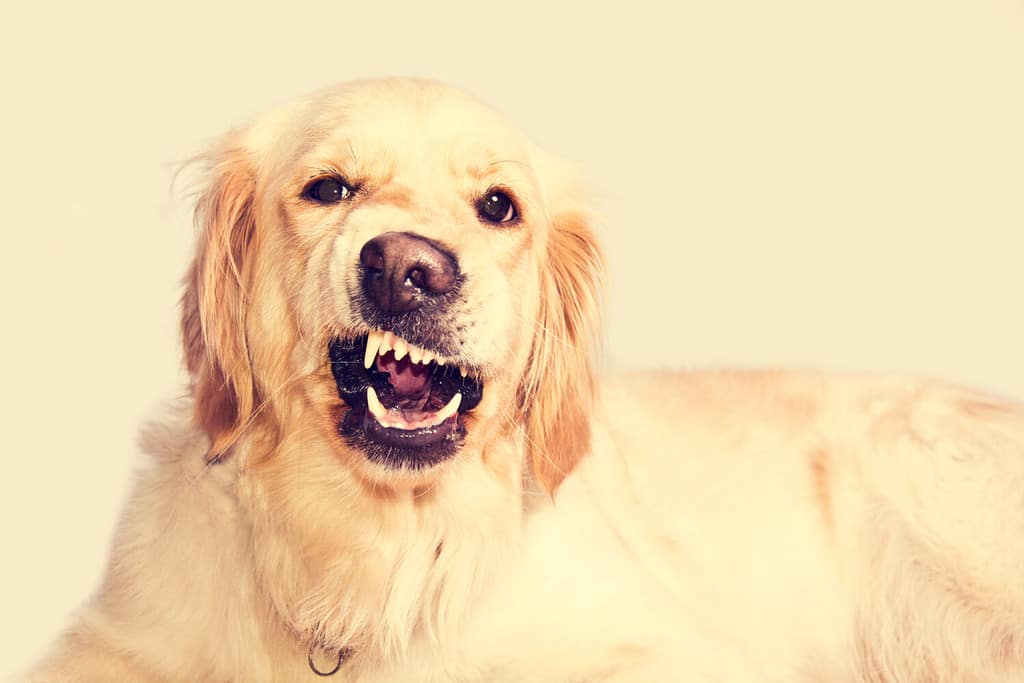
700,527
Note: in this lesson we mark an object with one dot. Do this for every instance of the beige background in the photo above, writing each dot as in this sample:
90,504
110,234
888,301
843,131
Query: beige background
798,183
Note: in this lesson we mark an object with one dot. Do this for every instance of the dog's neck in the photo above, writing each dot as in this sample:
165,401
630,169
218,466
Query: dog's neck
395,566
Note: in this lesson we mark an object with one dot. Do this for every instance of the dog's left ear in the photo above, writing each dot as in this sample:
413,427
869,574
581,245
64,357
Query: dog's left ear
558,392
214,304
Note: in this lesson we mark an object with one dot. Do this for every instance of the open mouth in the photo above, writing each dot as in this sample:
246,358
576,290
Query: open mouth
406,402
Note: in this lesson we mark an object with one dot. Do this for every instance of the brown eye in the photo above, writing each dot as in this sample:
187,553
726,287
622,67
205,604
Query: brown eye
327,191
497,207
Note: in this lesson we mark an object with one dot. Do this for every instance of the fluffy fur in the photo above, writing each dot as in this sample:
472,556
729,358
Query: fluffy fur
710,526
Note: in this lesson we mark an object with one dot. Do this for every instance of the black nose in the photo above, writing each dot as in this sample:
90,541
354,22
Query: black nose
402,269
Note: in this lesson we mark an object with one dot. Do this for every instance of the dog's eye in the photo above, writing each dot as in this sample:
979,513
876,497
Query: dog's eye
327,191
497,207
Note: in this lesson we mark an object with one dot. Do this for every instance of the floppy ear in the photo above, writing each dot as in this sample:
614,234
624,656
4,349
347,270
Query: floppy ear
560,383
215,300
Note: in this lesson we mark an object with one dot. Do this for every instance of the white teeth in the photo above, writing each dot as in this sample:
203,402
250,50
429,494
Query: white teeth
374,404
379,343
395,419
387,342
400,349
450,409
463,372
372,344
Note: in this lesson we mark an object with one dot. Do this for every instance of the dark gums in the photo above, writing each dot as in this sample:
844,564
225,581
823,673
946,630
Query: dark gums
351,378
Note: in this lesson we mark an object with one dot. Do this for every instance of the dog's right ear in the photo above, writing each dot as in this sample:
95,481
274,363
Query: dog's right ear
213,307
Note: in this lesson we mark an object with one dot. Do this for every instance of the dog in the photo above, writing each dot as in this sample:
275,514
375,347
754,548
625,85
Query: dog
397,461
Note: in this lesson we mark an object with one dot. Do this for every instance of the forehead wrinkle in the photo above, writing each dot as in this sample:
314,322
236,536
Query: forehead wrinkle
501,172
507,172
349,157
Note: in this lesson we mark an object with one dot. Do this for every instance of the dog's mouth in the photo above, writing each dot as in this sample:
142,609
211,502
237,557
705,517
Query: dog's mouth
406,402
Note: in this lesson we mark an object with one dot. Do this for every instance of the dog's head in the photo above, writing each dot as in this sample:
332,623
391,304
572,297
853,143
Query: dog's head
394,259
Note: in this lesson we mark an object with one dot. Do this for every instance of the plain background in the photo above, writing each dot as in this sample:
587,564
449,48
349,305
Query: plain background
779,183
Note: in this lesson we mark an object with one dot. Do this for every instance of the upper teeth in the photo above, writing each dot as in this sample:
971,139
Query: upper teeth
379,343
400,348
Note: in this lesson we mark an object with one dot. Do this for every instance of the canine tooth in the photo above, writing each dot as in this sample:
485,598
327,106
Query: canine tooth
415,354
400,348
374,404
372,344
387,342
450,409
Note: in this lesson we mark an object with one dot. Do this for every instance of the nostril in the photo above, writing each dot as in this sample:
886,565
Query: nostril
417,277
372,256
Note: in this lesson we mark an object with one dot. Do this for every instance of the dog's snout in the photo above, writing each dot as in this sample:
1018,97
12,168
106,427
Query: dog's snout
401,269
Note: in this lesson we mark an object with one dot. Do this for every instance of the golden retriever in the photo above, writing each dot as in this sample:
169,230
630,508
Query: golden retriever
396,463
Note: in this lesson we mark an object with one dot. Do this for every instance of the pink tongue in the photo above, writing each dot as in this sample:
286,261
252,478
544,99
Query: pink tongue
409,380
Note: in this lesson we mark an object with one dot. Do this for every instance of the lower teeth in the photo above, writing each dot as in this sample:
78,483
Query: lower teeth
396,419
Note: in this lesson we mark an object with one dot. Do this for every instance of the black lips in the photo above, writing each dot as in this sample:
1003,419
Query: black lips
411,449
